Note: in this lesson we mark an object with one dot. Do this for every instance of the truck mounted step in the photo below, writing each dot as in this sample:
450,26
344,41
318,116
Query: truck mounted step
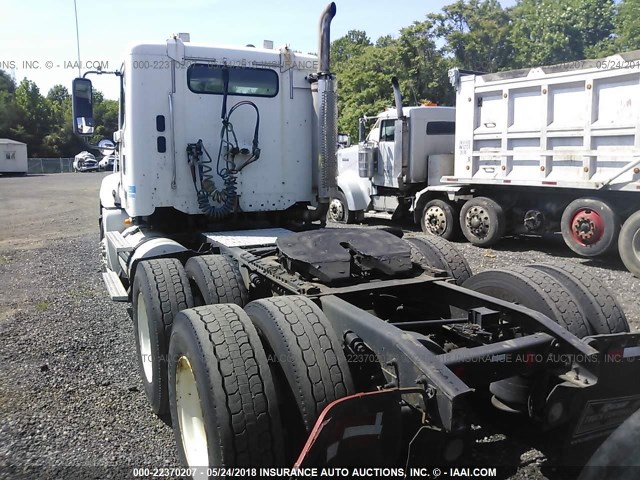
118,241
114,286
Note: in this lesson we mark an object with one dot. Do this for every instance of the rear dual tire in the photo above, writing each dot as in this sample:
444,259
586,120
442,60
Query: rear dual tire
224,407
441,254
237,377
160,291
567,295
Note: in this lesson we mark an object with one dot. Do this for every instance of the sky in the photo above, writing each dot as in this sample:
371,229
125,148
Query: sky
39,36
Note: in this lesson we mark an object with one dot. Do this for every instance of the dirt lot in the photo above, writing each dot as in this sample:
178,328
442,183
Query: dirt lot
71,403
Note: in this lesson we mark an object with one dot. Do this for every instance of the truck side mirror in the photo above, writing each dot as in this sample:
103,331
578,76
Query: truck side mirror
82,104
361,132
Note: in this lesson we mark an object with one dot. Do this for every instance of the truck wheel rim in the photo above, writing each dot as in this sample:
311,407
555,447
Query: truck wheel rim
635,246
144,339
436,220
587,227
478,222
336,210
190,419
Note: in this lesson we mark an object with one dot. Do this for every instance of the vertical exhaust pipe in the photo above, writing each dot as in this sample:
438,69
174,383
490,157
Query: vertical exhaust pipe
324,39
398,97
401,138
326,113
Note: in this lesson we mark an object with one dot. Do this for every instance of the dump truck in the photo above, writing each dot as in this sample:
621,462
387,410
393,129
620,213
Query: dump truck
536,151
274,342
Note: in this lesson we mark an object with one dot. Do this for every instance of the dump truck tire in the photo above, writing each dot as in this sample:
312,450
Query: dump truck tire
440,218
216,279
160,290
339,210
307,355
441,254
597,304
629,244
223,401
482,221
589,227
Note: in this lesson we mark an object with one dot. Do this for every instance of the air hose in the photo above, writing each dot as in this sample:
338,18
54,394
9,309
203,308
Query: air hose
224,199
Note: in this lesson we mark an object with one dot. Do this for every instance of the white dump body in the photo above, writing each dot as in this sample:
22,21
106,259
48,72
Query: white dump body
575,126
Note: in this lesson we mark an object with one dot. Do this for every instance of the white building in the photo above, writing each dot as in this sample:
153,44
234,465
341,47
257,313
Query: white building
13,156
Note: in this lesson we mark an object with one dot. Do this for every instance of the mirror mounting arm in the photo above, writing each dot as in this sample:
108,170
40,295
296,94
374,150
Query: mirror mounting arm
117,73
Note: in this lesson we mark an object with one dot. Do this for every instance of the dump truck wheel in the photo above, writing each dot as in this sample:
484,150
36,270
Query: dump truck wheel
216,279
339,210
589,227
160,290
629,244
440,253
223,401
482,221
440,218
597,304
306,353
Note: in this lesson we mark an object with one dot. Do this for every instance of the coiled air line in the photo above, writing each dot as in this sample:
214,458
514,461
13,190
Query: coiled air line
225,198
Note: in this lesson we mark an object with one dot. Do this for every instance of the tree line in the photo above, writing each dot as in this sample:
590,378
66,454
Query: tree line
477,35
44,122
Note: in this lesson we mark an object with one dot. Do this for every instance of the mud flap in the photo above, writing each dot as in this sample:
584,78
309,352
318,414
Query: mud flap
598,408
359,430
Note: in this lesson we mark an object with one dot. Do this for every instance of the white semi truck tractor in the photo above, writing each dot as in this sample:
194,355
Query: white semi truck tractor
540,150
271,341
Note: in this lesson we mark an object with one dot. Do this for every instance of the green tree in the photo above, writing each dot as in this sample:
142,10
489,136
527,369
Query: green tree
8,107
547,31
33,119
627,26
365,85
60,141
421,67
105,117
349,46
365,70
476,34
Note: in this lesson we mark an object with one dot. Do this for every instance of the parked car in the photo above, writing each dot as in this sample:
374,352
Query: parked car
85,162
107,162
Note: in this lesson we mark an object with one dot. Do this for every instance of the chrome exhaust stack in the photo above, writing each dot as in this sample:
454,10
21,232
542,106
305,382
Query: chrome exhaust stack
401,138
398,97
326,114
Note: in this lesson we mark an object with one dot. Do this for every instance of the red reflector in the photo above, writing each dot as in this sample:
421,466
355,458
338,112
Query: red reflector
506,181
615,353
549,183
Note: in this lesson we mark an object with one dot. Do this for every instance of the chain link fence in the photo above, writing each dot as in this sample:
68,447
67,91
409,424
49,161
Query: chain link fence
50,165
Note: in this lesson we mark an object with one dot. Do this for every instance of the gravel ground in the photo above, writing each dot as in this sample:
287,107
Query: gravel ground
71,402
